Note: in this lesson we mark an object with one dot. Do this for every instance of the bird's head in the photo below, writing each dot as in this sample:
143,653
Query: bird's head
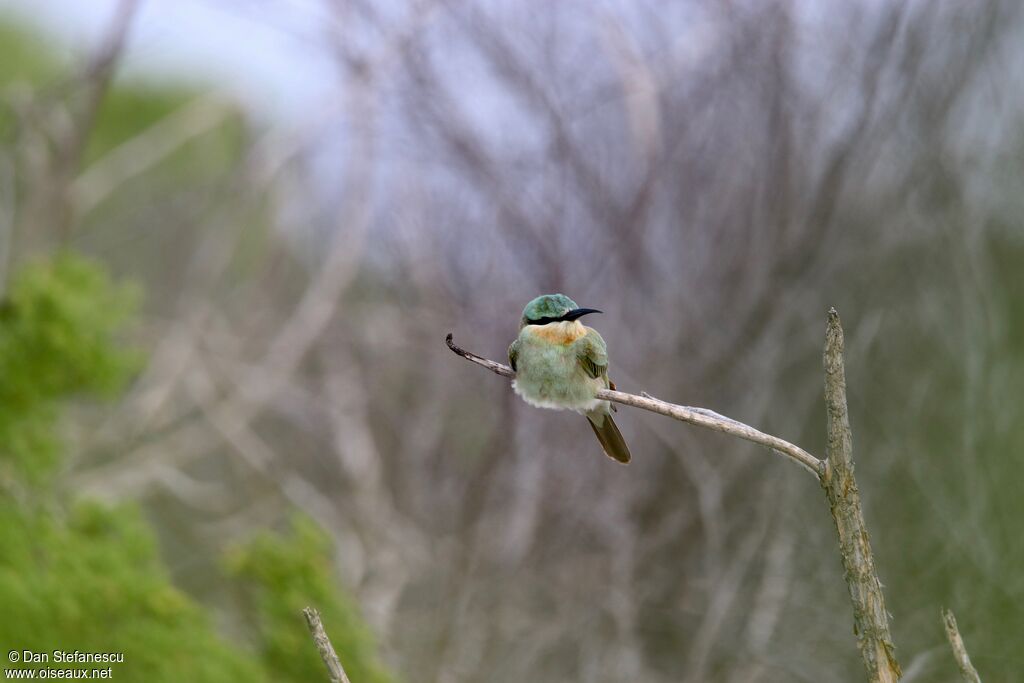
552,308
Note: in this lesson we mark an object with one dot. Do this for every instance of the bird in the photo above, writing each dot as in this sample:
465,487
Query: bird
560,363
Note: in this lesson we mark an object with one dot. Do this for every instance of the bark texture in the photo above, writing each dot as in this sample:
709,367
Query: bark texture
323,644
870,619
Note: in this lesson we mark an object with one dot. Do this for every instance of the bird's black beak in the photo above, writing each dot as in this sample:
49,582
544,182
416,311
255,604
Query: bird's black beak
579,313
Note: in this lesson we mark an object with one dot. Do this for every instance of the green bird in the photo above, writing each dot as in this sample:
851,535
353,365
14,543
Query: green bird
561,364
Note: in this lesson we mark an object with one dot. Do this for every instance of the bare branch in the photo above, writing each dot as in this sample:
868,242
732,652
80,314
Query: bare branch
967,670
323,644
702,417
871,621
496,368
145,150
96,79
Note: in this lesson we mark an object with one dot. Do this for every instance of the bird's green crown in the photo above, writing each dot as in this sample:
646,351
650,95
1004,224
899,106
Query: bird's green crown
547,306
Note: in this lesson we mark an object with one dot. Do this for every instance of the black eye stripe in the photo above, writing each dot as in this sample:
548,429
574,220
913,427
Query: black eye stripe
545,321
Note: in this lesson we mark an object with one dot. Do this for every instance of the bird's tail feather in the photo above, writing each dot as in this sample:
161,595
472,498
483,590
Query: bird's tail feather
609,436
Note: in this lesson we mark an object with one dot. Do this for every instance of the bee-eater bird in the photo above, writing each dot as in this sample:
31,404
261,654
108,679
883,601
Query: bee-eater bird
561,364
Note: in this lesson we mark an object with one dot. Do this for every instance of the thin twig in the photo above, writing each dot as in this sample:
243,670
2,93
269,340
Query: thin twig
967,670
701,417
323,644
870,620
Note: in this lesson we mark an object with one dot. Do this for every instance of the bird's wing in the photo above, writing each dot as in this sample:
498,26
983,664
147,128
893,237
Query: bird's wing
593,355
513,354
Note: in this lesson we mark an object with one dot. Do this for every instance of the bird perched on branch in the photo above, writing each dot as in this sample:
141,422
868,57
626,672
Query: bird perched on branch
561,364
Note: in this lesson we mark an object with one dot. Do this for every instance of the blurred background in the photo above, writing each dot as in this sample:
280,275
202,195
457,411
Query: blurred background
234,233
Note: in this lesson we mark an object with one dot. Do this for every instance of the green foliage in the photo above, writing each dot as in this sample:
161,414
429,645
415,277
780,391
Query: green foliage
24,59
285,574
58,339
23,56
89,578
83,575
92,581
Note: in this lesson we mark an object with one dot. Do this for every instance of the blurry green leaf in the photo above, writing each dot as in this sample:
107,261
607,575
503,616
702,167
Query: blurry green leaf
93,582
285,573
59,338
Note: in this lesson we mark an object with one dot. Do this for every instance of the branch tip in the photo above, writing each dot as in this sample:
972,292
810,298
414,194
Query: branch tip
323,644
956,642
496,368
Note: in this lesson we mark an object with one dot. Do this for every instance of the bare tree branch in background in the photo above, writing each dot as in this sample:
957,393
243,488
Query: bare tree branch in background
145,150
52,209
8,209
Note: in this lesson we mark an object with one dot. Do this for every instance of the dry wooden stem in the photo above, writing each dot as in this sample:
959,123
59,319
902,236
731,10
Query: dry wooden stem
323,644
697,416
835,473
967,670
870,620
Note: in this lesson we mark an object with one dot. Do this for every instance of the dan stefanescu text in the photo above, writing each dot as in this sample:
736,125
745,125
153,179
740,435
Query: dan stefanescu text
72,657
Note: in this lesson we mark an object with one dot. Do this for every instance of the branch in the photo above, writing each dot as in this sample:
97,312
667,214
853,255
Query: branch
702,417
323,644
967,670
145,150
870,620
97,79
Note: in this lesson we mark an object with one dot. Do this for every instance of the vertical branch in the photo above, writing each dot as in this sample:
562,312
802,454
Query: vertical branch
323,644
967,670
8,201
870,620
96,81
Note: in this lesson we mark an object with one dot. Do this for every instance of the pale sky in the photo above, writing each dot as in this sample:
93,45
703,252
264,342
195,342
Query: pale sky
261,51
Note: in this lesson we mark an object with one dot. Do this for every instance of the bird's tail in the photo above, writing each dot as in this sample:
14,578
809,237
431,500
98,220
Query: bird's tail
609,436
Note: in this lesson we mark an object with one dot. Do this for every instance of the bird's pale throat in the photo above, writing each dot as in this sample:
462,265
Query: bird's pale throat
565,332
